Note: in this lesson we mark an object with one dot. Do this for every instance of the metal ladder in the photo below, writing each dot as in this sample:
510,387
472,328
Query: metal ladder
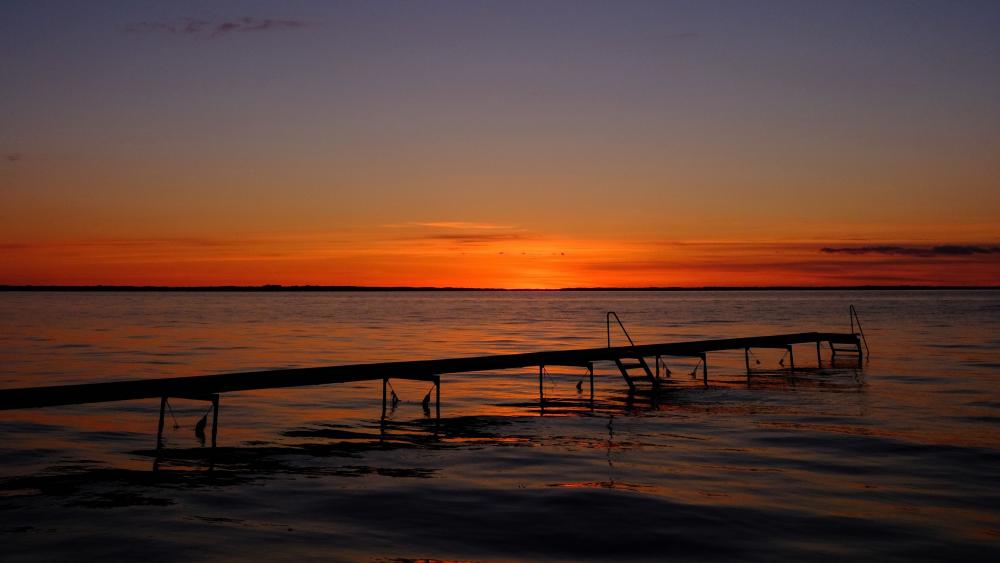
853,313
638,360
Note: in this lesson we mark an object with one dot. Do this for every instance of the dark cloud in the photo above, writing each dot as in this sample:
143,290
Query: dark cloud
461,233
922,251
474,238
202,28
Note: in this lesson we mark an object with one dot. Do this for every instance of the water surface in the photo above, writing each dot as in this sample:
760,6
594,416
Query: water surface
897,460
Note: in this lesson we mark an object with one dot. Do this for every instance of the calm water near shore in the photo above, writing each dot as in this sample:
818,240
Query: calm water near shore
898,460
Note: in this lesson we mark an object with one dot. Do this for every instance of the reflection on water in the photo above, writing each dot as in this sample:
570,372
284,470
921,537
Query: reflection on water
897,460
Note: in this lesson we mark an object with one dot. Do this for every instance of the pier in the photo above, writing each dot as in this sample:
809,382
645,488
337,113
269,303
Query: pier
632,361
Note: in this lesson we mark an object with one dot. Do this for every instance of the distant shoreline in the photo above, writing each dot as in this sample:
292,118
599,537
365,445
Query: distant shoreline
360,288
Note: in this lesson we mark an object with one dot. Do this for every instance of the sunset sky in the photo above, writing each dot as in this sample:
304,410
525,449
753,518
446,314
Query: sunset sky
509,144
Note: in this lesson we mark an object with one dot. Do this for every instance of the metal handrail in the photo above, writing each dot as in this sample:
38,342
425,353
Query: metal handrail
854,316
610,314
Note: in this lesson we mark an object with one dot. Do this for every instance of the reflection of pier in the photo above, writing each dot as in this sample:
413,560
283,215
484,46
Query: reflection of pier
626,358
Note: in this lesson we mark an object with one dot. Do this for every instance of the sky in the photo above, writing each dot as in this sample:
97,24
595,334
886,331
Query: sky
535,144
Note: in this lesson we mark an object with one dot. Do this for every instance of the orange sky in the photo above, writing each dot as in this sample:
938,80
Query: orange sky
482,255
500,145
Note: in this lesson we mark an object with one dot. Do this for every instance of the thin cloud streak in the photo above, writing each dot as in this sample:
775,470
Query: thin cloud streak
140,250
460,233
475,238
924,252
201,28
466,225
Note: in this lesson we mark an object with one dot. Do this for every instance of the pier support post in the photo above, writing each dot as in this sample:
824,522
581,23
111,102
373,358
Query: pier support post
215,431
746,359
385,381
819,355
791,357
860,355
590,371
437,397
215,420
159,435
159,425
704,369
541,392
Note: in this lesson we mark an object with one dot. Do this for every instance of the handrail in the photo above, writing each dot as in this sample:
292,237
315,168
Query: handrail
854,316
610,313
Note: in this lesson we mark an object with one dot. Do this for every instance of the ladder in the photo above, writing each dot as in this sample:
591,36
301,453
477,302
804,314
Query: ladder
860,335
637,360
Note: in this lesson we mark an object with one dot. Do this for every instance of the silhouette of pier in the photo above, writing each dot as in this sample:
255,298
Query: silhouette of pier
204,387
631,361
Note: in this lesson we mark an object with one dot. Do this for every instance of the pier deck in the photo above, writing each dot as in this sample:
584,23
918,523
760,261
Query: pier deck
207,387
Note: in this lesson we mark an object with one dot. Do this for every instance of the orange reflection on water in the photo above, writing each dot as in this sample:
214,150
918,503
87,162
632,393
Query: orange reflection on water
897,439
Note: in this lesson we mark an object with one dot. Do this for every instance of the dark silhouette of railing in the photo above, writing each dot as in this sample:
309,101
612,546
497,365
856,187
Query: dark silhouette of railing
640,361
615,315
855,317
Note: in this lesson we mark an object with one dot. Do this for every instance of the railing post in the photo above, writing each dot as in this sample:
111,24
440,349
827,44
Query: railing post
854,317
608,319
621,324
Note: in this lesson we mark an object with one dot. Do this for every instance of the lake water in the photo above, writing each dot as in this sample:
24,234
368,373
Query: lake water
897,460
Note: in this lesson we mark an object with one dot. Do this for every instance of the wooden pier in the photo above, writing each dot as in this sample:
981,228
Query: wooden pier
206,387
628,360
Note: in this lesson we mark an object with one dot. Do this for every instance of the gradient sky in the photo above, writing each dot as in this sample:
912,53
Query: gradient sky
501,144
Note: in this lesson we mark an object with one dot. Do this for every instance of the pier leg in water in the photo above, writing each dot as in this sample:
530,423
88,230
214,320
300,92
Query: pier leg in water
215,429
437,398
159,434
819,356
215,419
590,370
159,425
384,383
704,369
791,358
746,358
860,354
541,393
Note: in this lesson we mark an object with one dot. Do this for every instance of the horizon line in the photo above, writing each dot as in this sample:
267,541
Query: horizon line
376,288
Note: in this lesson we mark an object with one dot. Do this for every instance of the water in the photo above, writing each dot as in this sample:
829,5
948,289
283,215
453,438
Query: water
898,460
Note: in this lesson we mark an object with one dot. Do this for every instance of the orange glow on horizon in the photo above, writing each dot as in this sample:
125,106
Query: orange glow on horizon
461,254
